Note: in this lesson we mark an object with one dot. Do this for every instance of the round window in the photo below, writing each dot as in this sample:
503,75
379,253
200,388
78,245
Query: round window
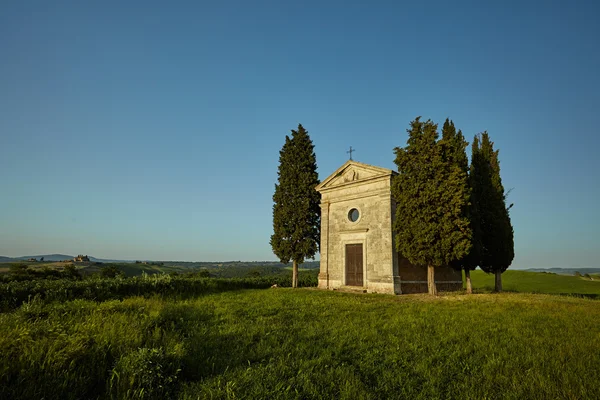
353,215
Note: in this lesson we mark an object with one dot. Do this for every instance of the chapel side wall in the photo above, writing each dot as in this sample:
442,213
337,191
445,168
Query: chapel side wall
373,230
449,280
395,254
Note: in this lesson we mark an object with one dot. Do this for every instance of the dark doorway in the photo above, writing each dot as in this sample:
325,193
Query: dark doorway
354,265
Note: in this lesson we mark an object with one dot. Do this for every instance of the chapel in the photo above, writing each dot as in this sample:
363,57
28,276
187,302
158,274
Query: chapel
357,241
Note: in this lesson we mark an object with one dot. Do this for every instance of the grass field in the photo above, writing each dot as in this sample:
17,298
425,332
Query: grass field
304,343
538,282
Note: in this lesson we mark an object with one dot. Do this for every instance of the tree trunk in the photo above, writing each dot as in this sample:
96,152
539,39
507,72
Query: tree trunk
468,279
295,274
431,287
498,287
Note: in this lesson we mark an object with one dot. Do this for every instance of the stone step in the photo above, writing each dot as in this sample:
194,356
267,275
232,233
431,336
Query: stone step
352,289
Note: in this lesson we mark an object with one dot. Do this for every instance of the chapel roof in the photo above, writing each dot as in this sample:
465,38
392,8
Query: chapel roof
353,172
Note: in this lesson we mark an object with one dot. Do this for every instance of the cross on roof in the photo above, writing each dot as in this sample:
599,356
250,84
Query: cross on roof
350,152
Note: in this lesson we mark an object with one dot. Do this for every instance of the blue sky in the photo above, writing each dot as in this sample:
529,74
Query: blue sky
150,130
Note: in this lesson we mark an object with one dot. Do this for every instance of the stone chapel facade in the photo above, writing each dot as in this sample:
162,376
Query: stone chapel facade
357,241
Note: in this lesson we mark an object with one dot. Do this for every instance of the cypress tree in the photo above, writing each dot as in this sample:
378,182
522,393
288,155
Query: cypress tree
431,194
296,209
495,237
456,145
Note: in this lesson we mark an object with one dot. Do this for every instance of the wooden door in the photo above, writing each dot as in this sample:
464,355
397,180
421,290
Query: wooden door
354,265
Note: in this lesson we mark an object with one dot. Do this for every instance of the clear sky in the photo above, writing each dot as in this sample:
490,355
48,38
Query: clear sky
152,130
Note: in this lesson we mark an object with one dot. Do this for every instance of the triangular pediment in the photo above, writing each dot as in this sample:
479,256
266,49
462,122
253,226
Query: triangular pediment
353,172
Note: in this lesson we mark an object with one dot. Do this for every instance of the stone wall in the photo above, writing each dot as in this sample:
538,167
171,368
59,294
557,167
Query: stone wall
413,279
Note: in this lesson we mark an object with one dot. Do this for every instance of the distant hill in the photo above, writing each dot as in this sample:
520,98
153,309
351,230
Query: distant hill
106,260
47,257
239,264
56,257
185,264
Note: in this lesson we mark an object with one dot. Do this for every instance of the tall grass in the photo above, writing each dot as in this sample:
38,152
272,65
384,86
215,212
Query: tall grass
285,343
13,294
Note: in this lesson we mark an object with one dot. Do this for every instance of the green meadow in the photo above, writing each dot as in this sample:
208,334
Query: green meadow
230,343
538,282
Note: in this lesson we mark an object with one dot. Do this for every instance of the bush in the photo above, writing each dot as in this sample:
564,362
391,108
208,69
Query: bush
72,272
204,274
18,269
144,374
111,272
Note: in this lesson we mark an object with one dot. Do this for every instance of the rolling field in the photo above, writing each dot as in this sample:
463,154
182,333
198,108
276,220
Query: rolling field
87,268
304,343
538,282
130,269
